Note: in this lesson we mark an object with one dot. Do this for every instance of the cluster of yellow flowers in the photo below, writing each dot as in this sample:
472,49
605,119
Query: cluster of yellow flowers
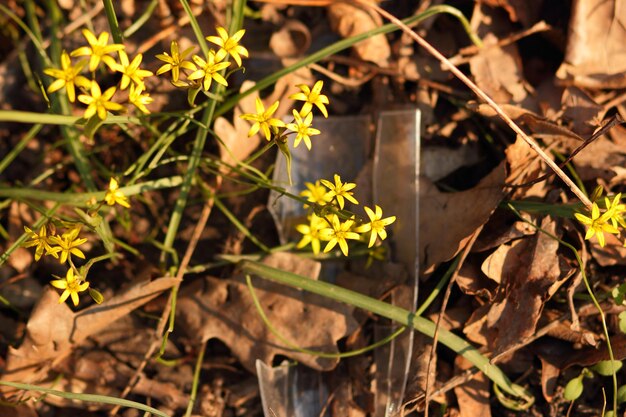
609,219
63,246
301,123
328,222
99,51
199,73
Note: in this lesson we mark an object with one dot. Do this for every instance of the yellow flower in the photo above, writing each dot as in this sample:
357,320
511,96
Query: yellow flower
316,193
175,62
70,285
340,191
311,97
98,50
67,77
114,195
68,244
338,234
229,45
303,129
596,224
376,225
311,233
130,70
42,241
263,119
139,100
615,210
209,70
98,102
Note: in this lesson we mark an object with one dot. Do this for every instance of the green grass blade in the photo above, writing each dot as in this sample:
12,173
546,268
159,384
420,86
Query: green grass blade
342,45
400,315
91,398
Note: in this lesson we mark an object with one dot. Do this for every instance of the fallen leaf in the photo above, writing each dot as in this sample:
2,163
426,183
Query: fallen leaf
583,112
613,252
223,309
595,56
530,274
447,220
472,396
349,20
53,329
498,71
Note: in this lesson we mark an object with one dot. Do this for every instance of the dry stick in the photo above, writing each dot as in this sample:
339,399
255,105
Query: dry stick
614,121
444,303
195,237
457,72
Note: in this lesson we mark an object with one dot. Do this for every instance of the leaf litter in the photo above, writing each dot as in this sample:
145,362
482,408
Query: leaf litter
518,294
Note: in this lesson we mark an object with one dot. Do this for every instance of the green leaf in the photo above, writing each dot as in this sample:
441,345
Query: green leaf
96,295
192,93
607,368
573,389
92,126
283,146
621,394
622,321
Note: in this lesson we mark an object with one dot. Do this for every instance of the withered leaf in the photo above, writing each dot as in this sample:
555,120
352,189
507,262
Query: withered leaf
223,309
530,275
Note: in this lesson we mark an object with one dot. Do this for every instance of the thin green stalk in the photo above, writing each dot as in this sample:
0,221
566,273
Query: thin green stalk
199,142
80,199
16,116
342,45
196,380
589,291
243,229
400,315
15,151
90,398
116,32
40,222
141,20
317,353
439,287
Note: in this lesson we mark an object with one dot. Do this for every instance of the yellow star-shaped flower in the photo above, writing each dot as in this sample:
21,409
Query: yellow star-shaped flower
209,70
99,102
338,234
311,97
340,191
229,45
98,50
376,225
302,128
115,196
71,286
68,77
130,70
597,224
175,62
68,244
263,119
41,241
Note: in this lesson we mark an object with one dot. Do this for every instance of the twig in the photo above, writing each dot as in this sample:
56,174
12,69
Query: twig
446,297
197,232
481,94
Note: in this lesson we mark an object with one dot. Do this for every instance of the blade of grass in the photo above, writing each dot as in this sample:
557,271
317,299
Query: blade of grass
116,32
141,20
345,44
91,398
400,315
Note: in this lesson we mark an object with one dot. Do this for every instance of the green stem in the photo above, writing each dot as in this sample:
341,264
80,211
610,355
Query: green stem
116,32
394,313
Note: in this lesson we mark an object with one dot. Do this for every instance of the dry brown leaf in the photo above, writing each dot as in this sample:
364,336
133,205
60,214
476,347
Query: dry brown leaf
53,329
447,220
223,309
473,396
613,253
472,281
235,145
292,40
585,114
349,20
498,71
595,56
530,274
